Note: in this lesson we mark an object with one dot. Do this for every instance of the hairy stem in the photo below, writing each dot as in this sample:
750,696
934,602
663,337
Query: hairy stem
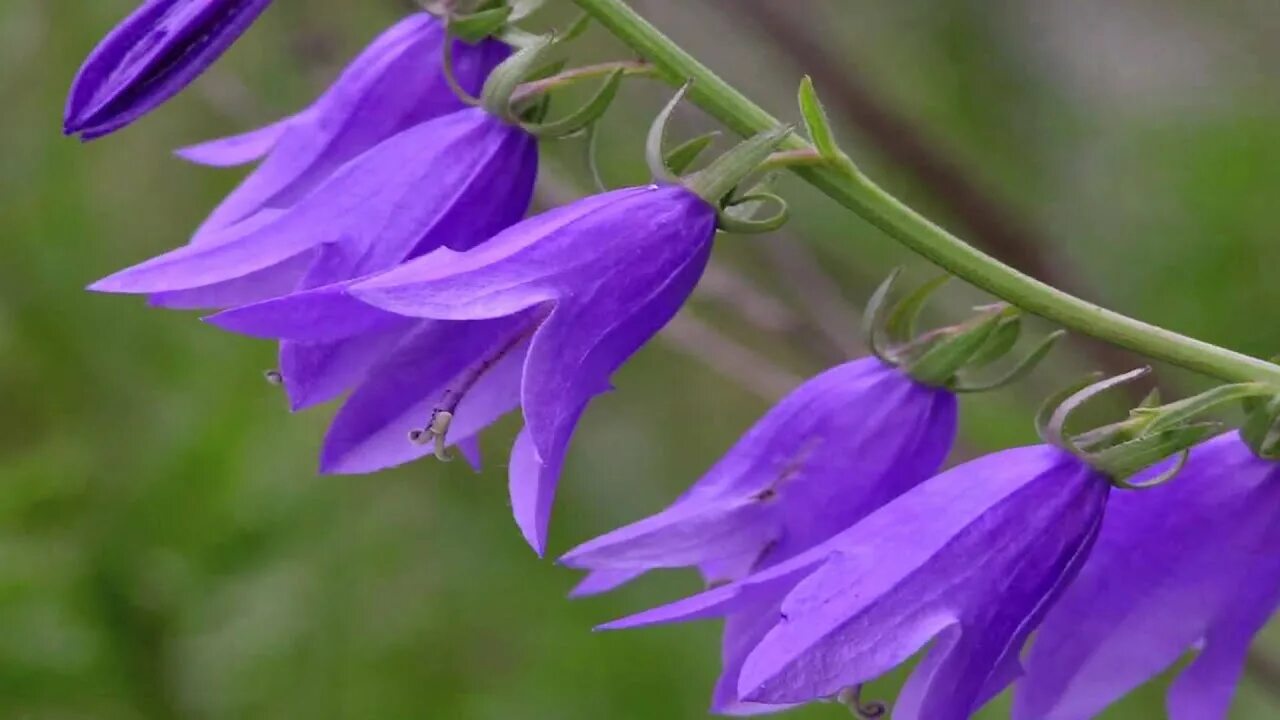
855,191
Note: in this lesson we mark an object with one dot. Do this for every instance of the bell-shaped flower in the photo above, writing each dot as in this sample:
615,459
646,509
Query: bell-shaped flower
453,182
969,559
538,317
838,447
396,83
151,56
1191,564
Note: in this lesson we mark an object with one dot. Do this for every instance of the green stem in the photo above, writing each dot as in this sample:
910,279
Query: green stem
850,188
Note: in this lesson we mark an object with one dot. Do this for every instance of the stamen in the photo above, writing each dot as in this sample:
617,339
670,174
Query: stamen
863,710
275,377
437,430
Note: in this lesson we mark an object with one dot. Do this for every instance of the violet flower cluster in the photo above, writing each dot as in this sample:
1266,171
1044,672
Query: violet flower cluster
381,239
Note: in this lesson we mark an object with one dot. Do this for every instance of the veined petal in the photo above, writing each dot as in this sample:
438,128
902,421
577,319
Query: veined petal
528,263
379,208
1170,565
325,314
839,446
600,323
392,85
743,630
966,552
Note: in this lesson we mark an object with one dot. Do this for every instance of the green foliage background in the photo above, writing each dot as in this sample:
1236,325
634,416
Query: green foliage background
166,548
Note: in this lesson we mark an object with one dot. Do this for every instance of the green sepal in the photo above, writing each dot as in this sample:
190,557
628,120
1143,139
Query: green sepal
874,315
1128,458
719,178
680,158
503,81
1261,429
584,116
479,25
1020,370
944,358
1054,430
901,324
654,154
1001,342
1044,416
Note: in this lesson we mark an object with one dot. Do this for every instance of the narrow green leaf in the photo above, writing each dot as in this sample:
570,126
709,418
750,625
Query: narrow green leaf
816,121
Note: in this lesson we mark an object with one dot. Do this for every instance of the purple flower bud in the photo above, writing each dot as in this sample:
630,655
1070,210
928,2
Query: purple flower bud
970,559
834,450
1190,564
395,84
150,57
539,317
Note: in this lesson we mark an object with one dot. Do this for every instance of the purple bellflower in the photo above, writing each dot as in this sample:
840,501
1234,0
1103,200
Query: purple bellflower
539,317
395,84
150,57
970,558
1189,564
837,448
452,182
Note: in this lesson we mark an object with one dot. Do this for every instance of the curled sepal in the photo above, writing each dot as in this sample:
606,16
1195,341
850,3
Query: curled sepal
654,153
902,322
1261,429
945,357
1020,369
506,78
739,216
873,320
584,116
1054,429
1150,433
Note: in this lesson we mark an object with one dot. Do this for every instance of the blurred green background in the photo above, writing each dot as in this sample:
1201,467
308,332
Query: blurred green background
166,548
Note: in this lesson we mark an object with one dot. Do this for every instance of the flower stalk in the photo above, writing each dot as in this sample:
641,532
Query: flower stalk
854,190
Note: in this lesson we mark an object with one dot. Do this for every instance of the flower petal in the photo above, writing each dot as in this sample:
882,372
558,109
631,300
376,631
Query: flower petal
391,86
504,275
271,282
316,373
236,150
688,534
325,314
967,548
